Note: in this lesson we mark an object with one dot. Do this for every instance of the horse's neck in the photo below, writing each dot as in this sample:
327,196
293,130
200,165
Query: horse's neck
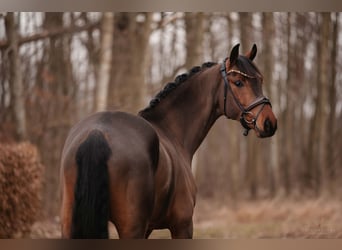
186,117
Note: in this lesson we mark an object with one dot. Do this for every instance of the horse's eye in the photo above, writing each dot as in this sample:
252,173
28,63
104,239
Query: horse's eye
238,83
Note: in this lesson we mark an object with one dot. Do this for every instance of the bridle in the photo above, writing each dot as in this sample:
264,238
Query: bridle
245,112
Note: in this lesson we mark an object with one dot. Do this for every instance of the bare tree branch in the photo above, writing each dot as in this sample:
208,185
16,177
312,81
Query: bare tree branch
51,33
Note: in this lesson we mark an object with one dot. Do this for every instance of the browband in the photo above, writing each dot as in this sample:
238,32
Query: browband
240,72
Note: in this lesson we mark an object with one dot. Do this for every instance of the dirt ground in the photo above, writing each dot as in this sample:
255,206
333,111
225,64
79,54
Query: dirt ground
320,218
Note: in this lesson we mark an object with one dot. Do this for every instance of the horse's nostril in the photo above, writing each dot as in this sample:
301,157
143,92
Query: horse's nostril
267,125
269,128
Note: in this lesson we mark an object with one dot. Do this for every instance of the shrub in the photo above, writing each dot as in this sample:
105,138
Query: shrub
21,175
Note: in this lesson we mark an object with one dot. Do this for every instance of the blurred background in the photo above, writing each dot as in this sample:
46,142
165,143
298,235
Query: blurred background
56,68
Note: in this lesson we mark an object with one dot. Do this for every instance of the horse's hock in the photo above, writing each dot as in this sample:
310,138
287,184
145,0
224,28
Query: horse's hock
21,175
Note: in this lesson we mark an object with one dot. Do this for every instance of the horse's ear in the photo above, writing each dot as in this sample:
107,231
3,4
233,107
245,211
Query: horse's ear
234,54
251,55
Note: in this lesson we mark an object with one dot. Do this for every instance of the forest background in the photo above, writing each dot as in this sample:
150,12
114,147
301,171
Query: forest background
57,68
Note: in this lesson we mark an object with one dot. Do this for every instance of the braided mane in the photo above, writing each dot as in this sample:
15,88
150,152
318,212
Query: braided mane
173,85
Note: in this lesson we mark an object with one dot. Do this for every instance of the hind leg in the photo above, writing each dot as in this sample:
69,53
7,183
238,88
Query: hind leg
182,231
131,224
66,211
131,219
135,230
181,225
131,206
68,179
148,233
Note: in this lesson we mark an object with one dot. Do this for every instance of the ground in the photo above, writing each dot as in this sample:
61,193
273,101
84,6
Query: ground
319,218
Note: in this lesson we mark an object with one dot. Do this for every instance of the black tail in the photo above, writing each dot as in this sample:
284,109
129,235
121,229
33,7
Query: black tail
91,206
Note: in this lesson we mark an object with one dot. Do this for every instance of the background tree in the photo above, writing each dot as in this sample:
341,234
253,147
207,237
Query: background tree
105,61
127,85
56,83
15,76
331,127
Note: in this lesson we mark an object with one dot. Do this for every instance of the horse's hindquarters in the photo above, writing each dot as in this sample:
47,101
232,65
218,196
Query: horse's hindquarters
124,153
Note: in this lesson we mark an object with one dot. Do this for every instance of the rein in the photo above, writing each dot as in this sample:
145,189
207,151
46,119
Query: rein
244,111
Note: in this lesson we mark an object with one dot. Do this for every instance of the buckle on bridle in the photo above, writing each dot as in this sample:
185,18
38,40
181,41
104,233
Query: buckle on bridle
245,123
245,132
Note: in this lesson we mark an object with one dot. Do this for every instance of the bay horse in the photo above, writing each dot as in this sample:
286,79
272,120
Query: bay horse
135,170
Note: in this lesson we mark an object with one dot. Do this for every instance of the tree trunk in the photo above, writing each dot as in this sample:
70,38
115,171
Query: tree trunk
194,28
272,161
127,87
323,87
194,25
250,145
330,146
299,94
317,139
15,77
56,81
246,31
105,61
286,117
93,51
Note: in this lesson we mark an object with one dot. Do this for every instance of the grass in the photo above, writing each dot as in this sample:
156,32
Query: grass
316,218
270,219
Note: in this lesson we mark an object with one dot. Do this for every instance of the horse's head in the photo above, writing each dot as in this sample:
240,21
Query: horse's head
243,96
